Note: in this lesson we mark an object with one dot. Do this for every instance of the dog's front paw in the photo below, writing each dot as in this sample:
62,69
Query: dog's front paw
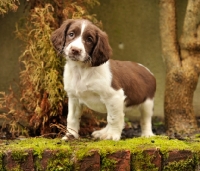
107,134
69,136
147,134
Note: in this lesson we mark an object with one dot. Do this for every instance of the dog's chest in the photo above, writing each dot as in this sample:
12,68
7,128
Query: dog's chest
87,86
77,82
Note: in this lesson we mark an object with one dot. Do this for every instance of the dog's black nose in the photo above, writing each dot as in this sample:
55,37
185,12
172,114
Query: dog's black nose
75,51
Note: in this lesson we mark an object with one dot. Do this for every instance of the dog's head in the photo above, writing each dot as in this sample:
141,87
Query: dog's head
82,41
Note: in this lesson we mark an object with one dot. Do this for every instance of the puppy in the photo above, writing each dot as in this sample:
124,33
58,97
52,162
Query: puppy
104,85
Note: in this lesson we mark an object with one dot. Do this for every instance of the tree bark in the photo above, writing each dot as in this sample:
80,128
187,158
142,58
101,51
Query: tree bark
182,67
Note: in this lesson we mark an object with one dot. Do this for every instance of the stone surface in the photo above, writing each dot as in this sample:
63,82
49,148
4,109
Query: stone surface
25,164
8,161
156,157
28,164
176,155
46,156
117,161
179,160
122,159
89,163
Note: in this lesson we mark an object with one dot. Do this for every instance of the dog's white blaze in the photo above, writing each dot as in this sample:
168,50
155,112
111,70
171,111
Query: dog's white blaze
83,28
78,43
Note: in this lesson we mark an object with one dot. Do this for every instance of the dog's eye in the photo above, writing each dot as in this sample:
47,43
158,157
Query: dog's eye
89,40
71,34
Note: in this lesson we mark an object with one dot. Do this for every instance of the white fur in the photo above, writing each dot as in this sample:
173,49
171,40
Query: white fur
79,44
146,110
91,86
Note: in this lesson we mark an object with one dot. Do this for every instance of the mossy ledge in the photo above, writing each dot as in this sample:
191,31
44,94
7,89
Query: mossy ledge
150,154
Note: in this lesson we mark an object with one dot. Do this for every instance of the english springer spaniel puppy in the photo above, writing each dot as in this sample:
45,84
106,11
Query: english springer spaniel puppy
104,85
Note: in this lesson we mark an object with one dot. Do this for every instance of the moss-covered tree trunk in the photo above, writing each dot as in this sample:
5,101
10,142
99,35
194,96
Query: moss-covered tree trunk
182,67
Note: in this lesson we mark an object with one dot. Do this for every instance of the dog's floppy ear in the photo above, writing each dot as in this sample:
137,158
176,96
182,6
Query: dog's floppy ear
58,37
102,50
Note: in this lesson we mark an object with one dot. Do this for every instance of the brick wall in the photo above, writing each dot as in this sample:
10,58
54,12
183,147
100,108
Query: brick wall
74,156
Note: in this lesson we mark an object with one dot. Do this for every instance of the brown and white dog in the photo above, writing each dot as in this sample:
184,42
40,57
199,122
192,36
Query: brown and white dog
103,85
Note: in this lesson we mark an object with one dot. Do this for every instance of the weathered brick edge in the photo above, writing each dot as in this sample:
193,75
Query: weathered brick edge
146,160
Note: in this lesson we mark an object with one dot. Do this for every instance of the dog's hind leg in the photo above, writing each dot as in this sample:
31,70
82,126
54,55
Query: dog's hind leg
146,110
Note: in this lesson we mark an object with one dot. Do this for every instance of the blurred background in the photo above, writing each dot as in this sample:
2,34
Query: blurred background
133,30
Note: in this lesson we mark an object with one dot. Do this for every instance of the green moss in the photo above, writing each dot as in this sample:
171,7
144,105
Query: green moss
197,135
183,165
1,161
83,146
38,145
108,164
142,161
17,168
19,156
134,145
62,159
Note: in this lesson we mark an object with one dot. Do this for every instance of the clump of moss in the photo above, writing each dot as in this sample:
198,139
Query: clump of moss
183,165
61,161
1,160
107,164
142,161
19,156
17,168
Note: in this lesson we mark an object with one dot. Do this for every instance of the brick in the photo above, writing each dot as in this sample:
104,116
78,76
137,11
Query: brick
156,158
149,159
122,159
179,160
26,164
8,161
176,155
46,156
54,160
89,163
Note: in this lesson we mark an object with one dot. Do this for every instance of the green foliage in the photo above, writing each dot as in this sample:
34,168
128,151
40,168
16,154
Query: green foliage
69,9
7,5
41,74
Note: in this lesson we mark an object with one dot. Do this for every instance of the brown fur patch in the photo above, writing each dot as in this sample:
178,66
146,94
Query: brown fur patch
136,81
102,50
58,37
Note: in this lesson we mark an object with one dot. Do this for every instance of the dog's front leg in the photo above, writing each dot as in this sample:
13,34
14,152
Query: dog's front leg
73,118
115,119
